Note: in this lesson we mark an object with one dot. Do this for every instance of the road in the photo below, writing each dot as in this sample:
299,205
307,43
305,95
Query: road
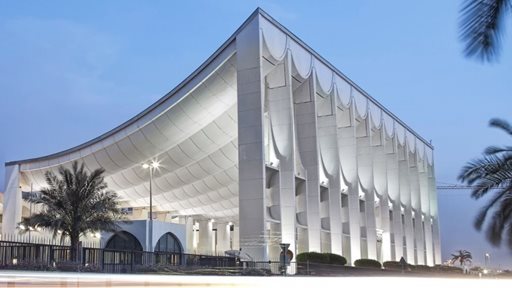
57,279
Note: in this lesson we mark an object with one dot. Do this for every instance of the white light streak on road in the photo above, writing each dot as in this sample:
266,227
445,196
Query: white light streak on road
57,279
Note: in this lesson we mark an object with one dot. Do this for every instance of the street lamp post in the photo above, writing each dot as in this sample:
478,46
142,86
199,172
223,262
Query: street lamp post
153,165
487,258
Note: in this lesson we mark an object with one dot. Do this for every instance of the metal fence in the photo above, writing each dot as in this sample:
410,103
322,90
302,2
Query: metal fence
22,255
119,261
272,267
40,256
44,238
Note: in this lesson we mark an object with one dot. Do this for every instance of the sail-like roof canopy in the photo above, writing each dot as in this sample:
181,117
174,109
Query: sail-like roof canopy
192,132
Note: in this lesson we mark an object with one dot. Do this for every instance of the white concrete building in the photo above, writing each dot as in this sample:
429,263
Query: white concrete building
266,142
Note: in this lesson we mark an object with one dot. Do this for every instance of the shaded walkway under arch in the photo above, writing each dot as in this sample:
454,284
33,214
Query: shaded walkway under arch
169,250
122,251
123,240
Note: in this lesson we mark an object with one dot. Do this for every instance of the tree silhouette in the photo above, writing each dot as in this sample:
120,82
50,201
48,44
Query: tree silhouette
481,27
493,172
461,256
75,203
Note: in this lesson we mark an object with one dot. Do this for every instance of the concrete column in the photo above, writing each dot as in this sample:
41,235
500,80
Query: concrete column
409,234
328,142
204,245
280,106
425,207
251,157
380,178
434,214
236,238
189,234
305,115
385,226
437,241
12,200
223,238
348,158
365,172
398,230
195,240
416,205
394,194
429,249
405,196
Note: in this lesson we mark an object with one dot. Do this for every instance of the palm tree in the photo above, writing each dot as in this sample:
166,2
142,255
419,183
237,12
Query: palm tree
75,203
481,25
493,172
462,256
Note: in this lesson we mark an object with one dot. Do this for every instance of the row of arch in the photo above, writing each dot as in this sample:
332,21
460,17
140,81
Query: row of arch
126,241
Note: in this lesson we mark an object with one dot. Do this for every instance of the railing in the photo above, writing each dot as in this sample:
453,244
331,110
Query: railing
30,256
36,237
119,261
19,253
22,255
273,267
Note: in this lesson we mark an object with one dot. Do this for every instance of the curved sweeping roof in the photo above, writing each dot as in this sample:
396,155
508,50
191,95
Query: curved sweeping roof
192,132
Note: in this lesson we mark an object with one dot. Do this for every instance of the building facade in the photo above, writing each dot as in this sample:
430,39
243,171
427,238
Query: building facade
266,143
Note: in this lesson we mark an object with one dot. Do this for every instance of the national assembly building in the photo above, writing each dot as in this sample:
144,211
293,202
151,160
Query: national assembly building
265,143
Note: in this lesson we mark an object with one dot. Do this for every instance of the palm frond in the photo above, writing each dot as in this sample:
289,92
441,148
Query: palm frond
462,256
508,232
487,173
493,172
502,124
481,27
500,220
482,214
491,150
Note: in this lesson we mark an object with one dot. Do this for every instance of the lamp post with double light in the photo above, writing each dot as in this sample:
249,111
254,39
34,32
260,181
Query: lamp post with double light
151,166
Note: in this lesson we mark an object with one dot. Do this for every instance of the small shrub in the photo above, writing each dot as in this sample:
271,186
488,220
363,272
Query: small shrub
392,265
322,258
256,272
448,269
422,268
335,259
157,268
395,265
367,263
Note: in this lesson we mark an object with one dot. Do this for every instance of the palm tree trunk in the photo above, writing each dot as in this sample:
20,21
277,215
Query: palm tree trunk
74,239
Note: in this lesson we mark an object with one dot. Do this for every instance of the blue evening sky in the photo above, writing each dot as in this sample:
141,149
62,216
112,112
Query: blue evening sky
70,71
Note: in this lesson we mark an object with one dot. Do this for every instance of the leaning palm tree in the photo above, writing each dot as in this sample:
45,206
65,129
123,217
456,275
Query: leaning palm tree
493,173
75,203
481,25
462,256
